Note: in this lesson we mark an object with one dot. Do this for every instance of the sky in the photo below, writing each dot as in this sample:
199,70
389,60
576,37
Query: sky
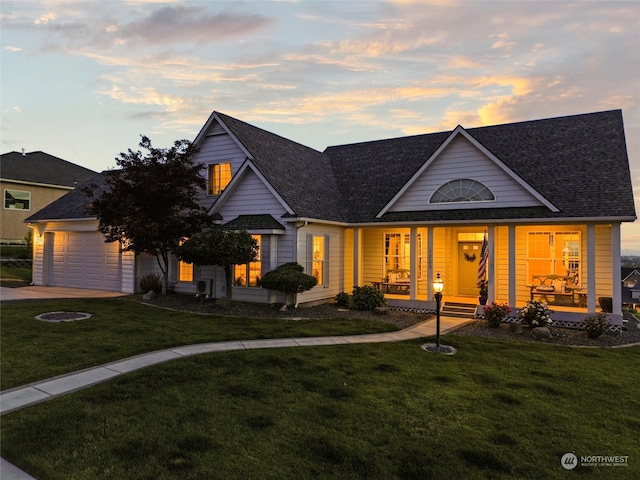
82,80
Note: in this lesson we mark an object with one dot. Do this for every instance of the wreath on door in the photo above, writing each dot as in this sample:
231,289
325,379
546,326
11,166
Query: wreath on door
470,258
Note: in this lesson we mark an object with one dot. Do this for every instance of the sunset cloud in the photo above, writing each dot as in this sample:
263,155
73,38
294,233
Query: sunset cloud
320,73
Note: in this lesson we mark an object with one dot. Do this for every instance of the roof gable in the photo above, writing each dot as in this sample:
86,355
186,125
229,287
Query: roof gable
470,161
549,157
248,170
301,176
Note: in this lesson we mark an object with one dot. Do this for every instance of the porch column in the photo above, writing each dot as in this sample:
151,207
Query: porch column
491,278
616,264
356,256
413,257
591,267
430,276
512,266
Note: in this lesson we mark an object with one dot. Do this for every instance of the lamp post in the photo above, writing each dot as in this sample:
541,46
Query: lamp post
438,286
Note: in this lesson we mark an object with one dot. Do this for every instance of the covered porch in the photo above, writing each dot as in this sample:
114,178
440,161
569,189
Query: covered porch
580,262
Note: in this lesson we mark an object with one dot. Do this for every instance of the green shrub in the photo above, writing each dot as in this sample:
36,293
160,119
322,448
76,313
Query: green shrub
596,325
367,298
343,299
151,281
289,279
495,313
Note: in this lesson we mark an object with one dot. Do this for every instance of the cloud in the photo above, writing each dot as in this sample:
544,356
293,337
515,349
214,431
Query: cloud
45,18
169,25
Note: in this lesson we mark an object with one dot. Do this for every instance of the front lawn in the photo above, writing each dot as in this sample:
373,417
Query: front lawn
33,350
496,409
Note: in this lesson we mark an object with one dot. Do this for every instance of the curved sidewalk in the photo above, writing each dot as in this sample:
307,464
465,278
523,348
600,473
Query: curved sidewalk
24,396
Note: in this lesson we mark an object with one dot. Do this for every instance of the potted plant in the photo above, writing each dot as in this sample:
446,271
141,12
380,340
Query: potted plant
483,293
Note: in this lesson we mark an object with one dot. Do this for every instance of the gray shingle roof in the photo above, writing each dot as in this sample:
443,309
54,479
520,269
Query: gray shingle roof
40,167
578,162
302,176
74,204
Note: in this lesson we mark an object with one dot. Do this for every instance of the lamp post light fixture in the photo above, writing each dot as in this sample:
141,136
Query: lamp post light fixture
438,286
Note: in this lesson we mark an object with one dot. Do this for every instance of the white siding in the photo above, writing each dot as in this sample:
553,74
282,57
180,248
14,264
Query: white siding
219,148
334,263
251,197
462,160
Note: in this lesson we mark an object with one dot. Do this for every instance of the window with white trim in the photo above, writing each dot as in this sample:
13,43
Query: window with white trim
185,271
555,253
219,177
248,274
318,258
397,252
17,200
462,190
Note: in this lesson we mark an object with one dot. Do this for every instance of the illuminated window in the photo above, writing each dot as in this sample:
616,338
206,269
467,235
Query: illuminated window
397,253
462,190
555,253
317,265
17,200
185,272
219,177
251,271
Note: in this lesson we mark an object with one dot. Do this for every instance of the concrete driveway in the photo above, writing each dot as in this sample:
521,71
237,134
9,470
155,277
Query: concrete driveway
43,293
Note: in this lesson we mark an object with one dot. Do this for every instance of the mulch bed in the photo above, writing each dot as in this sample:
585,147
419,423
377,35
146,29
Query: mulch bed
561,336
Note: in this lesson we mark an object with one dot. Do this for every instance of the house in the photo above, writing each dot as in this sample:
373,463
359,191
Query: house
630,287
395,213
29,182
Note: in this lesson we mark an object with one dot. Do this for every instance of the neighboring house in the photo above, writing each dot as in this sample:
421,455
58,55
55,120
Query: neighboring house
395,213
29,182
630,287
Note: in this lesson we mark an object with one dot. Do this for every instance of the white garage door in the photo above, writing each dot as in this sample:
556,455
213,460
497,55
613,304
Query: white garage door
83,260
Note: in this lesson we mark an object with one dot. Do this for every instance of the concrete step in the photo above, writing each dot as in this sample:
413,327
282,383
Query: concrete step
459,310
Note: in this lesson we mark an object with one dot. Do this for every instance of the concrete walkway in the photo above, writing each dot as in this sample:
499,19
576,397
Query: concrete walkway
41,391
45,293
27,395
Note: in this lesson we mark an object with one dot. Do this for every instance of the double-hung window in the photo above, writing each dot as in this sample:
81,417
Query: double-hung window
397,252
219,177
248,274
185,272
318,258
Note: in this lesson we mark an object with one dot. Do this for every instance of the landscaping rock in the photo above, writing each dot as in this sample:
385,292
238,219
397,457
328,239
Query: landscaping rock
542,333
515,327
150,295
381,310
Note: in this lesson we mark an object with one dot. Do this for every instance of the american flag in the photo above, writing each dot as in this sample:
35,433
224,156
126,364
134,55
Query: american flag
484,256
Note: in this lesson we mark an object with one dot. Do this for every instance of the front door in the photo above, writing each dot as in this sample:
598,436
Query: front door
468,260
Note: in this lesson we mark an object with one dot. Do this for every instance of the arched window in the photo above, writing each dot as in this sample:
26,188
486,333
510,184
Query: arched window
462,190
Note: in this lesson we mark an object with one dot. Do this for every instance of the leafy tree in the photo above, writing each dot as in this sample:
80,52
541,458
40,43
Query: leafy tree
222,248
151,203
289,279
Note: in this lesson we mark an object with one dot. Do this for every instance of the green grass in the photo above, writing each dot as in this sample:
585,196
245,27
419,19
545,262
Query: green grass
16,273
382,411
33,350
